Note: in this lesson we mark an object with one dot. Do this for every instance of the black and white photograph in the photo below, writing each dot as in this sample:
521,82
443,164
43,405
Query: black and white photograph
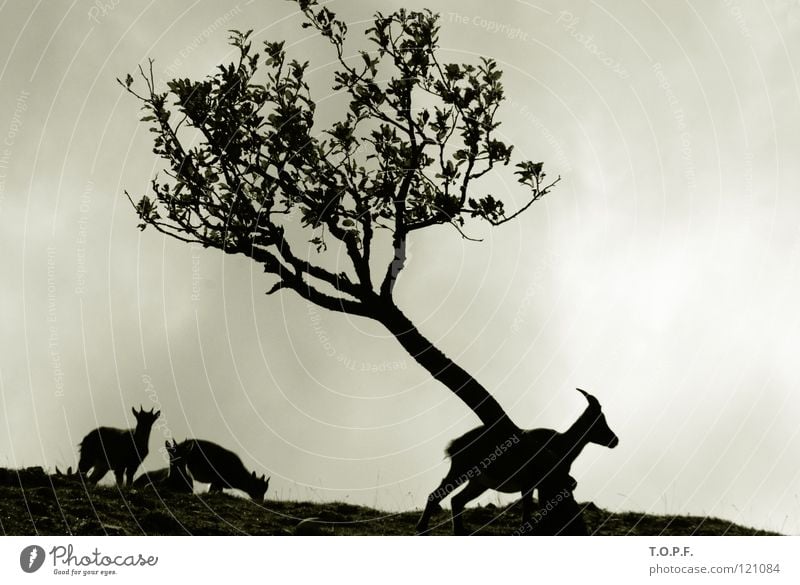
336,268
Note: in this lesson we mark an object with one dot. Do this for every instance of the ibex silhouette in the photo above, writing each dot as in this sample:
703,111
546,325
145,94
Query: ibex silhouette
207,462
536,458
120,450
173,478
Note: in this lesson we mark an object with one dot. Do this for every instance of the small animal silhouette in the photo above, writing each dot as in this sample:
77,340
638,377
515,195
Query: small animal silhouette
120,450
68,476
207,462
173,478
534,458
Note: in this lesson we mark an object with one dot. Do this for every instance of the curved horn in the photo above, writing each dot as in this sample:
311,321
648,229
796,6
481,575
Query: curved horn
589,398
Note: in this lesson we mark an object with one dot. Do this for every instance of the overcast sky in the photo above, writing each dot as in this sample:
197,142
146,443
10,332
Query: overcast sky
661,274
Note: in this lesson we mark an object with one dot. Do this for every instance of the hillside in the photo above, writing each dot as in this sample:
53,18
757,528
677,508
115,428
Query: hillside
52,505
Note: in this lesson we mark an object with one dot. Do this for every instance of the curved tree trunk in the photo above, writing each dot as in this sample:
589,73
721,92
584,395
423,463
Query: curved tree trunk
443,369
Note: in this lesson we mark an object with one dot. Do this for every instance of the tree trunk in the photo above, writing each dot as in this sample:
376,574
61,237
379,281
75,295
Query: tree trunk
443,369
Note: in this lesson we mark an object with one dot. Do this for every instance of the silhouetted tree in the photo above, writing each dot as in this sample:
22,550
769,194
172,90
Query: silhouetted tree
245,161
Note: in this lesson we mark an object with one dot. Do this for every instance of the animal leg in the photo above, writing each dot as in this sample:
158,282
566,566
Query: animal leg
97,473
130,472
461,499
570,520
527,511
448,484
119,474
560,515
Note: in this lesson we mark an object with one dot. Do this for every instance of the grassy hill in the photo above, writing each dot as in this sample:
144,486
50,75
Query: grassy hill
51,505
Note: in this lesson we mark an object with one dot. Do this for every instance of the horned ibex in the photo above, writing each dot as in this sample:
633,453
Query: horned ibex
536,458
173,478
207,462
121,450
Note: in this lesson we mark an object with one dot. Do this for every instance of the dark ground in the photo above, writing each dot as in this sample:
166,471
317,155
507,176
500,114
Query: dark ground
55,505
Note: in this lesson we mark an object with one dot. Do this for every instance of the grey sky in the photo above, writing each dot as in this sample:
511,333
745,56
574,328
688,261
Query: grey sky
661,273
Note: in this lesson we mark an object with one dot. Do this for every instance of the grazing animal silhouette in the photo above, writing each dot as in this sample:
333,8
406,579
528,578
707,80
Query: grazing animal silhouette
68,476
119,450
536,458
173,478
207,462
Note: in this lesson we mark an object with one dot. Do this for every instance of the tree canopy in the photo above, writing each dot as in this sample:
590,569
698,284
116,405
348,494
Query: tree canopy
248,168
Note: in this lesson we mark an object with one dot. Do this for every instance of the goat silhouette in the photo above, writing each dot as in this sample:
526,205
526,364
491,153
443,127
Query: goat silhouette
531,459
207,462
120,450
173,478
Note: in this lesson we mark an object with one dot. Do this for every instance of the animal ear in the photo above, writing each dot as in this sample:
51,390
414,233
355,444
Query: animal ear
133,410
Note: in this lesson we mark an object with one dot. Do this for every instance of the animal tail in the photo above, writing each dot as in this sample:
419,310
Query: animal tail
465,441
